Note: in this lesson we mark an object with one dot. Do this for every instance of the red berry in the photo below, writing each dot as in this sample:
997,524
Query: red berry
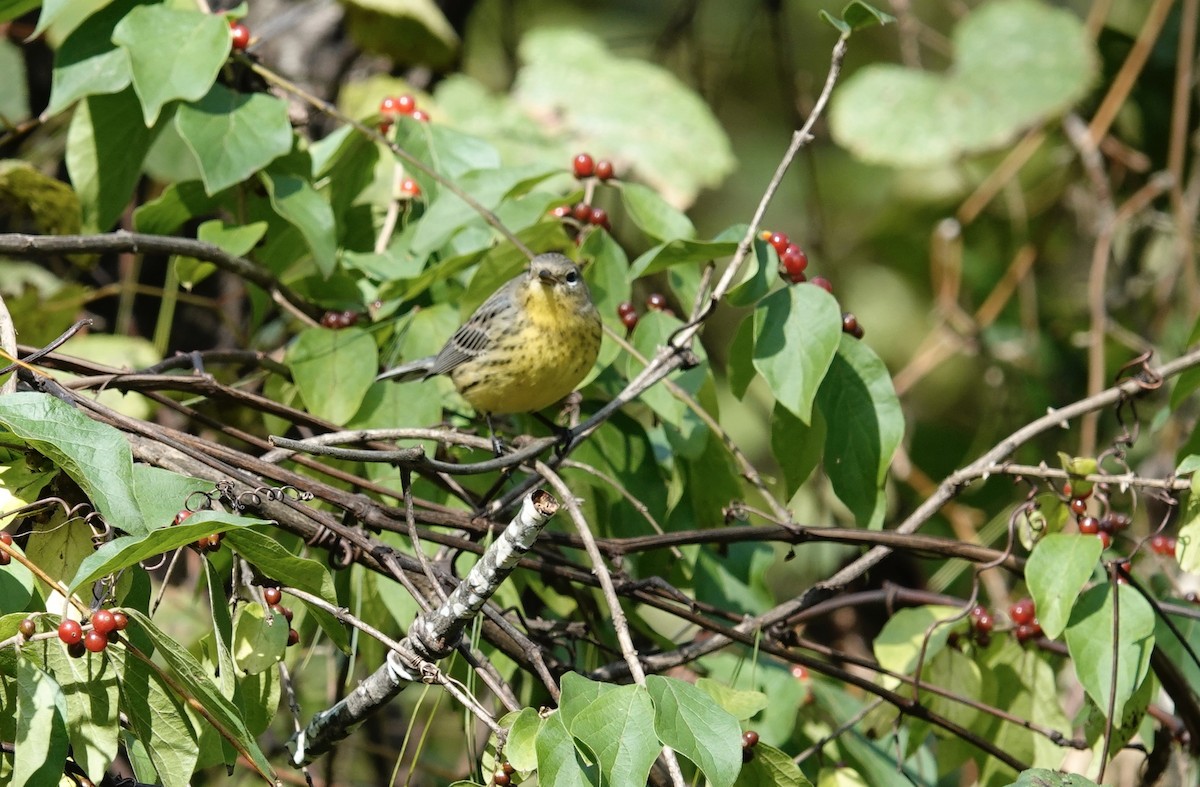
561,212
273,595
793,259
599,217
121,620
1089,525
95,641
582,212
604,169
984,623
508,768
1162,545
656,301
584,166
6,538
1022,612
410,187
978,611
348,318
629,320
239,36
501,779
5,558
1026,632
279,609
1078,506
822,282
749,739
104,621
390,105
850,325
293,637
76,650
385,125
779,241
420,116
27,628
625,308
213,542
399,105
70,632
182,515
1105,539
799,672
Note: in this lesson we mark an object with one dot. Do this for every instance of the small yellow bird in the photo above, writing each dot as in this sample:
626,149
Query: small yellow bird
526,347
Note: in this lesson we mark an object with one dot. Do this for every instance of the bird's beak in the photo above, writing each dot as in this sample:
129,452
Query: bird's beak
546,276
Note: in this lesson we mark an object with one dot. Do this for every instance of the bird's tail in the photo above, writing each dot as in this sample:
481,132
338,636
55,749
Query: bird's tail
413,370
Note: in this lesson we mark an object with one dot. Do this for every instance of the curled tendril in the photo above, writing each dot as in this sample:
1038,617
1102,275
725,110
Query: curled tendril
342,552
102,532
189,505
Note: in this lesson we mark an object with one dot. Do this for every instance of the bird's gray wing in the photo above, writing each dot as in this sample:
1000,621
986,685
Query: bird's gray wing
413,370
476,335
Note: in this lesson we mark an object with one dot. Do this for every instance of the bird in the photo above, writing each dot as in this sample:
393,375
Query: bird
525,348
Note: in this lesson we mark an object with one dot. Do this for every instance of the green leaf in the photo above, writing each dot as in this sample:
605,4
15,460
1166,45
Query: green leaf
233,135
178,204
690,433
687,719
904,117
521,747
11,9
1044,777
740,370
199,685
618,729
1187,540
333,370
161,494
559,762
654,215
58,545
414,32
769,767
681,152
235,240
95,456
158,719
898,645
129,550
1090,643
257,644
298,203
856,16
89,689
41,734
865,425
680,252
796,334
88,62
174,54
797,446
106,144
1059,567
1022,682
741,704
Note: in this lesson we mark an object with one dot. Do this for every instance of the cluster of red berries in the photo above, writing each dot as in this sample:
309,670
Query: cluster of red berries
583,213
1161,544
584,166
239,36
628,315
335,319
104,627
1103,527
982,624
392,107
793,263
410,188
6,538
273,595
1024,614
749,741
503,775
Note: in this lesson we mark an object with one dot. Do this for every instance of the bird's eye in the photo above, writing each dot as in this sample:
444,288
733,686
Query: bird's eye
571,277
